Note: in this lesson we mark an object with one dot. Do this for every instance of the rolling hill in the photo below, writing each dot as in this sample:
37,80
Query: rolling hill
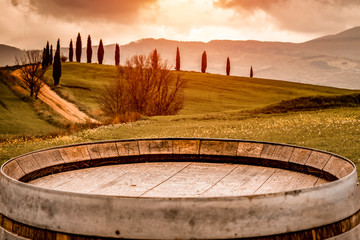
7,54
18,117
204,93
329,61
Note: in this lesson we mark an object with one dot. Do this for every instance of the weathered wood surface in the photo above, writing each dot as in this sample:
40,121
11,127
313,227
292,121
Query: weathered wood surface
178,179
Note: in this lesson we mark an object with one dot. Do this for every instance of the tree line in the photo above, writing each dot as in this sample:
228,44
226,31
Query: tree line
32,73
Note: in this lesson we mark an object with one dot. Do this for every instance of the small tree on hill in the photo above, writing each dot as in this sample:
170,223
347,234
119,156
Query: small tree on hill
43,63
144,86
89,50
31,71
177,59
71,51
78,49
154,58
117,55
100,53
228,66
251,72
203,62
57,65
51,55
47,54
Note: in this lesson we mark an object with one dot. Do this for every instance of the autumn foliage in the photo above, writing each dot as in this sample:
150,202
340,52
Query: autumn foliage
145,85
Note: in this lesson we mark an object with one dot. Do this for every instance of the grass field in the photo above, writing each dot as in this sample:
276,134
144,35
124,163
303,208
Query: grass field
334,130
204,93
216,107
18,117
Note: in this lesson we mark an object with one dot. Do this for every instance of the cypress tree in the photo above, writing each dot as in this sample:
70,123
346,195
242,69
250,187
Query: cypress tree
100,53
251,72
228,66
43,63
117,55
203,62
154,59
51,55
57,65
78,48
71,51
89,50
177,59
47,54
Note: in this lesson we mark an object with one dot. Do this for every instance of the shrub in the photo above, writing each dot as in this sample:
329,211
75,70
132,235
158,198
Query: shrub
144,86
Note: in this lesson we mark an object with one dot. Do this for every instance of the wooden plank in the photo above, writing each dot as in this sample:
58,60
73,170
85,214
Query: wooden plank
246,149
334,165
54,157
300,156
128,148
317,160
94,151
208,147
94,178
55,180
28,163
192,181
140,179
13,170
244,180
155,147
75,154
284,180
42,160
345,170
282,153
186,146
108,150
268,151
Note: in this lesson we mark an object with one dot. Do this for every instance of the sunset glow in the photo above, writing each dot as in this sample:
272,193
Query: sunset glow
186,20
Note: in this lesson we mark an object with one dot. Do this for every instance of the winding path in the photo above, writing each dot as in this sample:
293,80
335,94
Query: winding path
59,105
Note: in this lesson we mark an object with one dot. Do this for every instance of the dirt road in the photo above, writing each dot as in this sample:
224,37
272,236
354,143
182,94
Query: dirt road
60,105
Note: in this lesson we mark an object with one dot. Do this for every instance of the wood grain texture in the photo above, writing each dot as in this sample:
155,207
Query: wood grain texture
177,179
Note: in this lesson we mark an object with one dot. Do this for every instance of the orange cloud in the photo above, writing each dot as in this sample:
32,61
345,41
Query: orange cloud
306,16
87,10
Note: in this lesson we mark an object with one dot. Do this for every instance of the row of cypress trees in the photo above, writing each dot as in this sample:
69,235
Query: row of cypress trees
204,65
48,59
47,55
100,53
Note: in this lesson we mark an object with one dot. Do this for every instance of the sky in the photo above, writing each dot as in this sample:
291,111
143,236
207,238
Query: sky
28,24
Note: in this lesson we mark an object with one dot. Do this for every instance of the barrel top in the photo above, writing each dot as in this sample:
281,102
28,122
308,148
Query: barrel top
178,168
178,179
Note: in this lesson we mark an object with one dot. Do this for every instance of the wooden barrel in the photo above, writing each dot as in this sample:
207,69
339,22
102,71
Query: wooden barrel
178,188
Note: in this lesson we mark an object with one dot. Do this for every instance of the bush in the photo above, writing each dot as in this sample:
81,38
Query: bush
144,86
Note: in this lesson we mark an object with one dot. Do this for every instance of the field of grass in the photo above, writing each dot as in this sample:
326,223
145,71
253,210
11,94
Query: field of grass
334,130
18,117
204,93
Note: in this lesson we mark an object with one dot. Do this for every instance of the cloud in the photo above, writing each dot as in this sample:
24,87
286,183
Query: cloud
307,16
120,11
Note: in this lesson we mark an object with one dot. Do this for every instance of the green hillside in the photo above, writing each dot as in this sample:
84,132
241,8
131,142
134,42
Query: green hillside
204,93
18,117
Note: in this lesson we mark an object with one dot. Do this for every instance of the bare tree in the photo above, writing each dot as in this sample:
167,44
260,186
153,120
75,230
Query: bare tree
144,85
31,71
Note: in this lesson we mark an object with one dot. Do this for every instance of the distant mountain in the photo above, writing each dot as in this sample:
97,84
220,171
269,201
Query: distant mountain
353,33
7,54
330,60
